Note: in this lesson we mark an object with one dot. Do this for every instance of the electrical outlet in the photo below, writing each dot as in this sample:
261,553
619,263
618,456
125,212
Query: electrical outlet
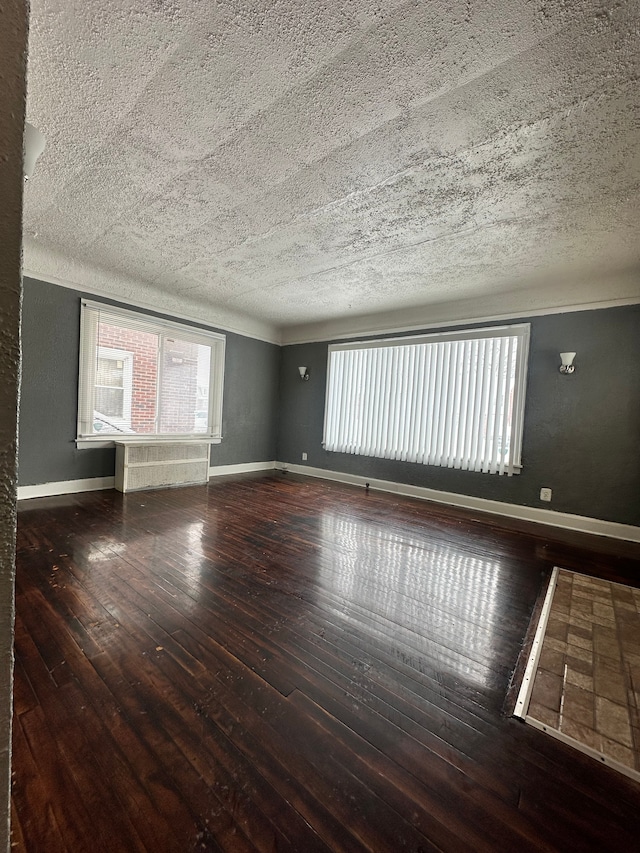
545,494
304,457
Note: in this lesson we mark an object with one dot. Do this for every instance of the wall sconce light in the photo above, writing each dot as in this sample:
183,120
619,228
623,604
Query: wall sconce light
34,144
304,374
567,365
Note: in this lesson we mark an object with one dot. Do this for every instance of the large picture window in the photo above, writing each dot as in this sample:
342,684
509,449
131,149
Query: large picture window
145,377
451,399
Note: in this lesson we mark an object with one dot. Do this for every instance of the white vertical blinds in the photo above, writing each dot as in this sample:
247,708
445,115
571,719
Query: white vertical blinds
454,399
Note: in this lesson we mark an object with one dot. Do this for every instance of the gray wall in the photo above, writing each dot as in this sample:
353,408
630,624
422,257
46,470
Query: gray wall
581,433
50,347
13,38
580,436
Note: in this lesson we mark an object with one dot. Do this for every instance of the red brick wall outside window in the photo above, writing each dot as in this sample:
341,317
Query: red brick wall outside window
179,378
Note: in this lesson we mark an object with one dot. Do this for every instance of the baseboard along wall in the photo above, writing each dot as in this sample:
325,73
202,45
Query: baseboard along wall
566,520
579,523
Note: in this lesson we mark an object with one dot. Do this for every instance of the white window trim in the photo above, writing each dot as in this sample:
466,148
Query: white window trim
86,374
521,330
127,387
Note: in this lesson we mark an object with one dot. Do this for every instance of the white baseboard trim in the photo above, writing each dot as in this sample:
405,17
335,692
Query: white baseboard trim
94,484
566,520
65,487
240,468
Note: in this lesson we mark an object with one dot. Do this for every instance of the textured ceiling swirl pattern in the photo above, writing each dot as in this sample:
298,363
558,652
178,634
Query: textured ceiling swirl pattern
273,164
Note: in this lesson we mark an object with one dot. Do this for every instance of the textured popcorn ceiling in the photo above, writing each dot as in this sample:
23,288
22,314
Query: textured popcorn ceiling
268,164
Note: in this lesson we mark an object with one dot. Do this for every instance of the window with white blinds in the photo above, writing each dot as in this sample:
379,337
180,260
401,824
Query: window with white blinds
142,376
452,399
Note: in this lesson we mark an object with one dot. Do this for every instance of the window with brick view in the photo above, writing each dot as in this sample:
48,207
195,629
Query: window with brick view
142,377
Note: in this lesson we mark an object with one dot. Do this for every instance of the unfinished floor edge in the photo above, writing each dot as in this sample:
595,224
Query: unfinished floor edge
597,662
582,747
524,694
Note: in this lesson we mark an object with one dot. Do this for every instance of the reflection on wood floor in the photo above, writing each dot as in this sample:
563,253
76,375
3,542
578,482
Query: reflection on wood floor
276,663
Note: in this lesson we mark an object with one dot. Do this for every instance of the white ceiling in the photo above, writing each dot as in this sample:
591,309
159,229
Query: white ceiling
274,164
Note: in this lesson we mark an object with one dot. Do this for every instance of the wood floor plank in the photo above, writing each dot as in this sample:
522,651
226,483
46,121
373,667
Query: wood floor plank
275,663
34,801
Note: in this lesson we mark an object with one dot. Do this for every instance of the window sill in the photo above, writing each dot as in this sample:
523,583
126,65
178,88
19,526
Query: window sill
95,442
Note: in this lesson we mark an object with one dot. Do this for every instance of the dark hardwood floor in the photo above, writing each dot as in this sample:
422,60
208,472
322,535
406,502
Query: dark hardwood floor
276,663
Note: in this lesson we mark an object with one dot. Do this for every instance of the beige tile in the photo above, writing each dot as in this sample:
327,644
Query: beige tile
582,642
581,587
579,679
620,593
598,600
578,712
547,690
628,625
585,578
612,720
604,633
581,607
562,612
611,688
610,666
543,715
594,640
581,654
555,644
556,629
603,621
581,733
580,598
584,631
606,648
580,622
577,664
551,660
618,752
576,696
629,647
582,580
626,606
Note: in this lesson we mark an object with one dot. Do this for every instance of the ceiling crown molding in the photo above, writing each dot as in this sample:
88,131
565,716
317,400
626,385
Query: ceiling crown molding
48,265
560,296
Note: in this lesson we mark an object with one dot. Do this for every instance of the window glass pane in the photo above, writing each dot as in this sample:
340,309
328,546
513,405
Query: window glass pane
139,377
184,387
110,402
138,401
110,372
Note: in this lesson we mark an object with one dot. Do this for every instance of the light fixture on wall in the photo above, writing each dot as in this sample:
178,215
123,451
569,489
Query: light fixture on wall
567,365
34,144
304,374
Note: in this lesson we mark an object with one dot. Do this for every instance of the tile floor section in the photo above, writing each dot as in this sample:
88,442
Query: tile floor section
587,684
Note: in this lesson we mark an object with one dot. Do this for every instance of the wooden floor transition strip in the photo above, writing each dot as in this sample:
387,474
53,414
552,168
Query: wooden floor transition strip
582,680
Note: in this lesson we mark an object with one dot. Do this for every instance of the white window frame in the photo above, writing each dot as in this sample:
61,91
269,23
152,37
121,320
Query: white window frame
127,358
371,440
90,313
